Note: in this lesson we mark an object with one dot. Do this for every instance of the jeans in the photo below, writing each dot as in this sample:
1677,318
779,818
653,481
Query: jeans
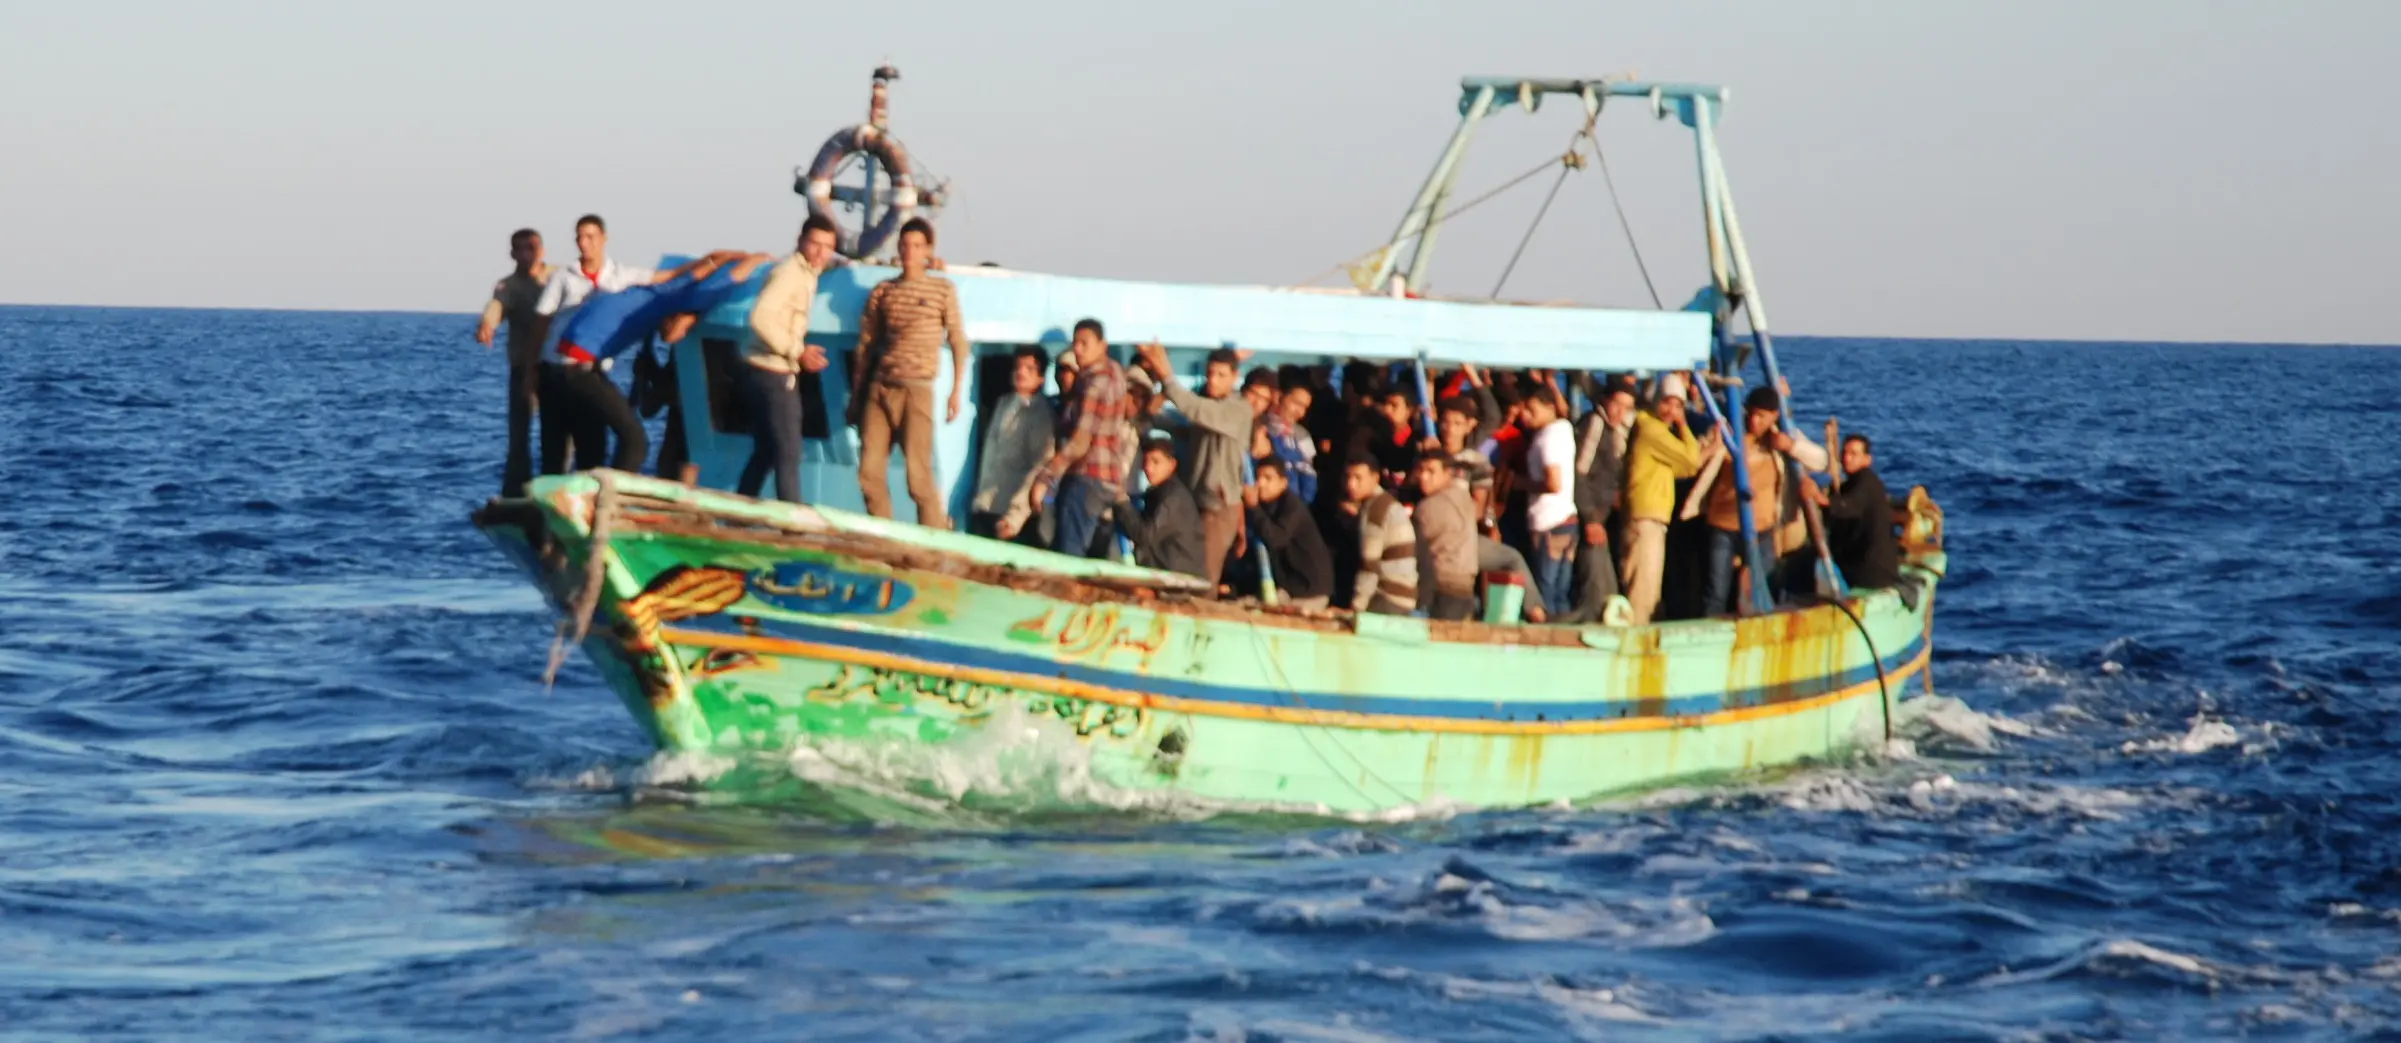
1555,567
1079,504
774,407
582,404
1722,598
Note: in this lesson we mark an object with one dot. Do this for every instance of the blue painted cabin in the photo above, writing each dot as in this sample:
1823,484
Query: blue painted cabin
1005,308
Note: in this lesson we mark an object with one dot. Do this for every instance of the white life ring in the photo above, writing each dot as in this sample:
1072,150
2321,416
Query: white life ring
817,184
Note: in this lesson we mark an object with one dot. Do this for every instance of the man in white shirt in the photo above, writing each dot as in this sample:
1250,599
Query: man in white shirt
1551,507
593,270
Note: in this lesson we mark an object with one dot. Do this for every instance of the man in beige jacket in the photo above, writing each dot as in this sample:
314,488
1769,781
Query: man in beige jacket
776,353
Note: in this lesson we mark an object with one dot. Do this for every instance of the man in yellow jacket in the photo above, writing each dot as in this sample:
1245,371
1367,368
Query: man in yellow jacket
1662,450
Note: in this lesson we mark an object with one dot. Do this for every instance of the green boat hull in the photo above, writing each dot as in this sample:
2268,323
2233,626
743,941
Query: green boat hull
729,625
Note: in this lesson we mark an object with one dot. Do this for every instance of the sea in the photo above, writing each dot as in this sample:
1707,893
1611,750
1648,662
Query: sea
277,760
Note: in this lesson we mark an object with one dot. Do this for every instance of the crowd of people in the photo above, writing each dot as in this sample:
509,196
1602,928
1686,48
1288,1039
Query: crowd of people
1339,486
1365,486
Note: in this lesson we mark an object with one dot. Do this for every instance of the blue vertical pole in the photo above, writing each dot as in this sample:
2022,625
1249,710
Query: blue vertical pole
1267,572
1714,172
1425,398
1732,436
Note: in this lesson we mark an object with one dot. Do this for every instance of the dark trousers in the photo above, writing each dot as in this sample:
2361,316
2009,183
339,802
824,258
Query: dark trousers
1725,551
524,383
774,405
1596,581
581,404
1080,501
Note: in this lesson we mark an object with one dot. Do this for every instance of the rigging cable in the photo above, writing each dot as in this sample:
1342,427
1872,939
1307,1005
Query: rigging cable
1602,160
1567,165
1453,212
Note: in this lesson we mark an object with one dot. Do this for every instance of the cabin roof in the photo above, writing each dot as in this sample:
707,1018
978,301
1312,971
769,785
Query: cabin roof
1012,307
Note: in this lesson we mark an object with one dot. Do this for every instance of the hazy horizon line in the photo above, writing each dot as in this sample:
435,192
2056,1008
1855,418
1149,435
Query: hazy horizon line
469,317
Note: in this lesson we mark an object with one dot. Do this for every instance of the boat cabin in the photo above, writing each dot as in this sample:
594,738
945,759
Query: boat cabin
1005,309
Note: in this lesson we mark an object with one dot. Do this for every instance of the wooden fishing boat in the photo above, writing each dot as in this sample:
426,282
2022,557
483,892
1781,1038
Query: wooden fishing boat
728,624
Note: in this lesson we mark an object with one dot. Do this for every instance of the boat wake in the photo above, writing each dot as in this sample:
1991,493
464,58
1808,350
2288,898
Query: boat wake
993,778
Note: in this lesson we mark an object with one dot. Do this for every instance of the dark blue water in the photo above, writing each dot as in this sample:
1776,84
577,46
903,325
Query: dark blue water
276,760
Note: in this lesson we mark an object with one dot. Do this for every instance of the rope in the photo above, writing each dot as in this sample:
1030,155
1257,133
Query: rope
1462,208
1565,168
1625,225
1284,690
587,596
1881,687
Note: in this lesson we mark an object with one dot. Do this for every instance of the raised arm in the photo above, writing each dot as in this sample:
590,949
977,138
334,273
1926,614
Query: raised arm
1229,416
1488,413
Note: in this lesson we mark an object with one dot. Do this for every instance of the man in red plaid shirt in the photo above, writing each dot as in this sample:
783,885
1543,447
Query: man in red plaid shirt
1089,470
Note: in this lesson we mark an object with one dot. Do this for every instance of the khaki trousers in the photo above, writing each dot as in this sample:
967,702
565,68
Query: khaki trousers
1644,558
906,412
1218,529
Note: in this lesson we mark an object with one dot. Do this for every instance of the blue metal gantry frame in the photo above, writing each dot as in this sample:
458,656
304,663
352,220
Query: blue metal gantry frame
1410,252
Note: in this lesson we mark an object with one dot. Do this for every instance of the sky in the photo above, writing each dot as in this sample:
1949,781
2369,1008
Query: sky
2133,170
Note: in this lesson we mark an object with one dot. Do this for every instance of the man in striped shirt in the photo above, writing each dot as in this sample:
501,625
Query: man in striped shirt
1095,443
1387,580
901,331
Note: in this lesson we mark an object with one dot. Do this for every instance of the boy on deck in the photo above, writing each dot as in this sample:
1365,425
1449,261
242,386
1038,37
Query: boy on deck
1166,532
1296,554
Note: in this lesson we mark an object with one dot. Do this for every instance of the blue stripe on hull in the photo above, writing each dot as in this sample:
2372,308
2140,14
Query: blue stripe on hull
925,647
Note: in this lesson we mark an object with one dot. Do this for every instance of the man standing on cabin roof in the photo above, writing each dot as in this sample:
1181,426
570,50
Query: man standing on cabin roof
1859,524
513,301
776,354
901,330
1661,450
1089,468
1296,552
1387,579
1220,429
1601,443
1166,530
1017,439
580,401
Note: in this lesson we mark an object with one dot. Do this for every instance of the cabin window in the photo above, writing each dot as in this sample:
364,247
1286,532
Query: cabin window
813,420
728,412
995,378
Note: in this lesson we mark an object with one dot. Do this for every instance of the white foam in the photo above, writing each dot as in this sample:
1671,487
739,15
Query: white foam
2131,950
1041,764
2205,734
